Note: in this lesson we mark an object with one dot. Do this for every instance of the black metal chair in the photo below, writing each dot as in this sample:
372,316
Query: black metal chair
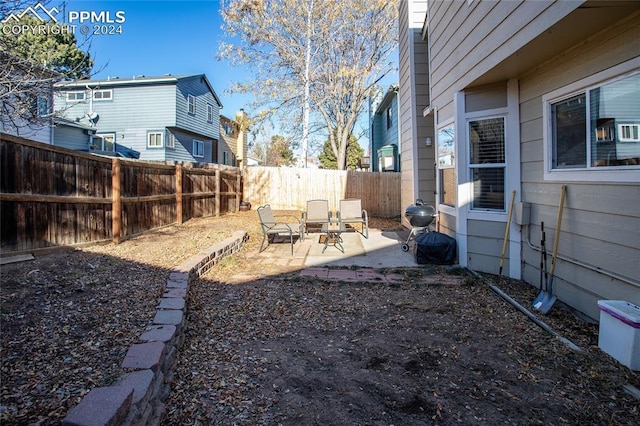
272,226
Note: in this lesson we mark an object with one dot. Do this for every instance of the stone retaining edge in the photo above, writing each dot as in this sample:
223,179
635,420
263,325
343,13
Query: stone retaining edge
138,397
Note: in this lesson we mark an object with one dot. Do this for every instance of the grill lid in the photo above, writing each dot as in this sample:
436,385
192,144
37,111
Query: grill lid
420,214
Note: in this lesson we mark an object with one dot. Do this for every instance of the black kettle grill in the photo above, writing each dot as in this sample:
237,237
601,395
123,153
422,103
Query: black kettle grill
420,216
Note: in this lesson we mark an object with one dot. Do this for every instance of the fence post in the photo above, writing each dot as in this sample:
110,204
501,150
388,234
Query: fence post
116,205
218,178
238,188
179,217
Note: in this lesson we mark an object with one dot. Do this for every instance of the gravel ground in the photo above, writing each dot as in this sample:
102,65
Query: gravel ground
288,350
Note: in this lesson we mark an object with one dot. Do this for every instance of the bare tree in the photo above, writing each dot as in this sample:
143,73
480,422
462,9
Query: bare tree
32,60
25,94
324,56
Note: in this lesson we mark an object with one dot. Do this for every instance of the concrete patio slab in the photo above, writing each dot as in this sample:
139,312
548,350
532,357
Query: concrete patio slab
381,250
361,261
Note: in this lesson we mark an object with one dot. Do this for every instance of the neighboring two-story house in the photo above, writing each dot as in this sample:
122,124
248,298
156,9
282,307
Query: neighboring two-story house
166,118
26,99
232,149
528,96
383,132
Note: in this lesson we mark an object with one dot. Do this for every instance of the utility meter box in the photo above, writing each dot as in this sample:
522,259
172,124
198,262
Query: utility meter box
619,333
388,158
523,211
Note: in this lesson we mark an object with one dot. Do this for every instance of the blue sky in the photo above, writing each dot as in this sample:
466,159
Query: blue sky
161,37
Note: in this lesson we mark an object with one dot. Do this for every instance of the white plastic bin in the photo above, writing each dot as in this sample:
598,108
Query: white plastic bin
619,334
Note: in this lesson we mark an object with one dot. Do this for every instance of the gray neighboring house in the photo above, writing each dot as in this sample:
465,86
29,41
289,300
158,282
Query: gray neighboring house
72,134
165,118
528,96
383,131
26,99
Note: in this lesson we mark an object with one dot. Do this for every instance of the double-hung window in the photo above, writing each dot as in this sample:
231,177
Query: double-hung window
155,139
171,140
104,142
487,163
209,113
446,165
191,104
198,148
594,130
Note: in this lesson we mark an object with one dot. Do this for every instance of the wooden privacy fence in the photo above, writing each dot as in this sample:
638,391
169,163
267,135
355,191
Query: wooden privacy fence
290,188
51,196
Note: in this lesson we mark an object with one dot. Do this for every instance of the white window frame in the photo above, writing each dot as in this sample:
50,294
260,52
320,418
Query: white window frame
209,113
587,174
445,208
472,166
191,104
196,143
102,93
155,145
171,140
463,214
629,129
76,96
102,136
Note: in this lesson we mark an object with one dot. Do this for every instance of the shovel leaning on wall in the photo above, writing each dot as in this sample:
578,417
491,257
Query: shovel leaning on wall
544,276
545,301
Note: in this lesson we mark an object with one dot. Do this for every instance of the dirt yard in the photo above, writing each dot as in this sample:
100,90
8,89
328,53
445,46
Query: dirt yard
438,348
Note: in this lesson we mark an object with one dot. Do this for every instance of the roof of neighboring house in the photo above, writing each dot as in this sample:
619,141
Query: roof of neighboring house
252,161
72,123
135,81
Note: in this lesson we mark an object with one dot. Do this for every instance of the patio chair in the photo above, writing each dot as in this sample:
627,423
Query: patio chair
317,213
272,225
351,212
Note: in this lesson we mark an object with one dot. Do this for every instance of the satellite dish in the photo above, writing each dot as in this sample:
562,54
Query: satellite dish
93,117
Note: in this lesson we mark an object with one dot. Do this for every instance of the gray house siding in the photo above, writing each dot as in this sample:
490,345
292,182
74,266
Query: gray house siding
132,107
34,131
413,98
408,34
183,150
143,105
197,122
471,38
539,48
485,237
601,220
71,138
130,115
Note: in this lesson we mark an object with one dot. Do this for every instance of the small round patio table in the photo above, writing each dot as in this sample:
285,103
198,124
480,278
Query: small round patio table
333,236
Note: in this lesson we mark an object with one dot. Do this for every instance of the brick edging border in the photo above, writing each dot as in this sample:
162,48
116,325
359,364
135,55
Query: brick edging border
138,397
